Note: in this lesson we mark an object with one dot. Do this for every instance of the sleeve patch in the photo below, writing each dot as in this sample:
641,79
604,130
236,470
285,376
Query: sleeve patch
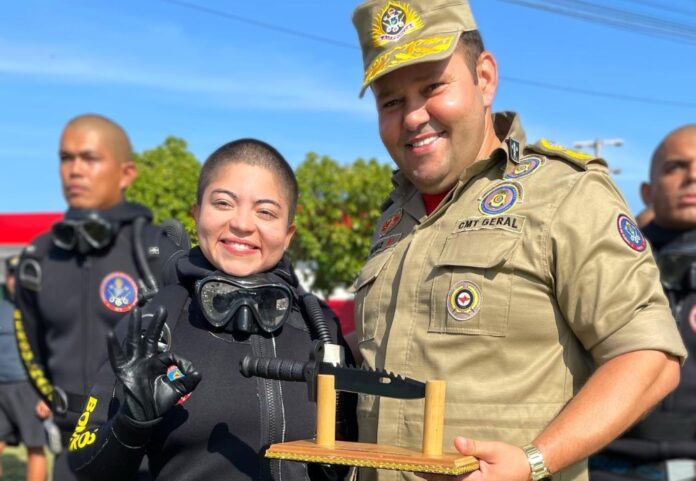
630,233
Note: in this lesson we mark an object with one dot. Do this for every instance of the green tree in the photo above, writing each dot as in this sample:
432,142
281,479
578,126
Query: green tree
338,208
167,182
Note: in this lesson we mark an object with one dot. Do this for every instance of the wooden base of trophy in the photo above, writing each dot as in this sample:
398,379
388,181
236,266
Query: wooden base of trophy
329,451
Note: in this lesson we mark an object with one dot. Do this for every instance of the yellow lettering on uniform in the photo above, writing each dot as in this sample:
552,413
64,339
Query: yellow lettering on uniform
86,439
80,438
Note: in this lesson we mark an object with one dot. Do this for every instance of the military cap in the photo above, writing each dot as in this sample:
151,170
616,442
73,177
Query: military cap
394,34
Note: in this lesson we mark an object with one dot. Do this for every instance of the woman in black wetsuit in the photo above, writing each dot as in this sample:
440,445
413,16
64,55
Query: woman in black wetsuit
236,295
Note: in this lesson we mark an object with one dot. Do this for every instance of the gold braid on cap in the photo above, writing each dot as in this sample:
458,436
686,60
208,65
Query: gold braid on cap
416,49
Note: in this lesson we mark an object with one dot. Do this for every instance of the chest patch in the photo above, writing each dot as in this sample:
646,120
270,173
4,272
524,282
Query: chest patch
501,198
118,292
385,243
630,233
464,300
527,166
512,223
391,222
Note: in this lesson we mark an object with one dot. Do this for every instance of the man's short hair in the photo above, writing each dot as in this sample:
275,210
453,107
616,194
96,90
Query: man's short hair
111,132
256,153
473,48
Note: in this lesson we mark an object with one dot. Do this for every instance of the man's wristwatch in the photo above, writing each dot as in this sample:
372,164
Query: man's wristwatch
536,461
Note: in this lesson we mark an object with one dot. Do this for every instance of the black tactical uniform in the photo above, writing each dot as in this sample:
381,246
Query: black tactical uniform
69,297
222,430
665,440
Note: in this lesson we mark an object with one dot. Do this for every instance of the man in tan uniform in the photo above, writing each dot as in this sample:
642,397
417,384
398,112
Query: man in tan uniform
499,266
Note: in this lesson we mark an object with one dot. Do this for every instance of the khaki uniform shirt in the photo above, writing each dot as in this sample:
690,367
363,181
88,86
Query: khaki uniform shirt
531,263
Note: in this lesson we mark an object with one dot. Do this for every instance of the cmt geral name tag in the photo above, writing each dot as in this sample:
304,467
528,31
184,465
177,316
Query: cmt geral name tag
512,223
681,469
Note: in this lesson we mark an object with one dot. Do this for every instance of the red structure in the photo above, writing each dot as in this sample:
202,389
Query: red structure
344,310
17,230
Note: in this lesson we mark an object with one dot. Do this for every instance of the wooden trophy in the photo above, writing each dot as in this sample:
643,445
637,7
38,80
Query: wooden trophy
327,450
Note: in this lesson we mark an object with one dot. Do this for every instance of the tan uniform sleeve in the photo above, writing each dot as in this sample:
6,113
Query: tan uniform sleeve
607,288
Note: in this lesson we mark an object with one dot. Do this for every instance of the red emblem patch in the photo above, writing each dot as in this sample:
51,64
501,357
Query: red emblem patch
391,222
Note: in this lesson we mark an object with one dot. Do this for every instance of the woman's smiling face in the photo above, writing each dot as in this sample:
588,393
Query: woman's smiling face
242,219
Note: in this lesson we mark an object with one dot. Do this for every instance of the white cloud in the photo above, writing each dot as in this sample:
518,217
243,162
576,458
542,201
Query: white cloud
260,85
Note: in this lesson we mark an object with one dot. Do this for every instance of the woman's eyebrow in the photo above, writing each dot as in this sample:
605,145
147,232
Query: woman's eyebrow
236,197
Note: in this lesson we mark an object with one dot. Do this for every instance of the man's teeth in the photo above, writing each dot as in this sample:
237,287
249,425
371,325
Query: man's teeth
426,141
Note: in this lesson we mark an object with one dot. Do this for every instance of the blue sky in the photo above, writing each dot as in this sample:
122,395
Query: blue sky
160,68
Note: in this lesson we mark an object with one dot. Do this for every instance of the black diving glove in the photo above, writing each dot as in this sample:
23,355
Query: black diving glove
143,371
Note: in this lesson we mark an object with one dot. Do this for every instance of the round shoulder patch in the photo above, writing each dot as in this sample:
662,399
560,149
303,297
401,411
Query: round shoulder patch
630,233
527,166
118,292
501,198
464,300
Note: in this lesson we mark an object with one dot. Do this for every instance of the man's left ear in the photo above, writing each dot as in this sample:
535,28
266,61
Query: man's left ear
129,172
487,74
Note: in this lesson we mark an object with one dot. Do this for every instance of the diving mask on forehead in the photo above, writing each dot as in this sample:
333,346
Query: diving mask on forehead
244,304
92,232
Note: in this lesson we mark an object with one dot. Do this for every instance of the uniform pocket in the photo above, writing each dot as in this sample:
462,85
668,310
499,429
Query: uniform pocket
368,291
473,283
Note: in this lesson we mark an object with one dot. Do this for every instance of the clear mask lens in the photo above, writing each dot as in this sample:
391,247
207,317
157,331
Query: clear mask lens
221,300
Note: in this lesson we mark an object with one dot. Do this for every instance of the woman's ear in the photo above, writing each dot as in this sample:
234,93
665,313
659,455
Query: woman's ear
195,211
288,237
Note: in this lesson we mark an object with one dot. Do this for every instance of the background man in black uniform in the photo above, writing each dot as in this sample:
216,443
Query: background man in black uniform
18,422
77,281
663,445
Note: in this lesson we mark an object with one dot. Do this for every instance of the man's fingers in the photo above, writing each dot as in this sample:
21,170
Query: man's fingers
466,446
485,450
116,356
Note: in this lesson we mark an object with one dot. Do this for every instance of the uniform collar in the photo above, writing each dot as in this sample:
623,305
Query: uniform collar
507,127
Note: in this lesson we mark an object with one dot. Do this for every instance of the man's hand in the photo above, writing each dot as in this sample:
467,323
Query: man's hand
497,462
143,371
42,410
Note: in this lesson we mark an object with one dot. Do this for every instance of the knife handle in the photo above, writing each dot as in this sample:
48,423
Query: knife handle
272,368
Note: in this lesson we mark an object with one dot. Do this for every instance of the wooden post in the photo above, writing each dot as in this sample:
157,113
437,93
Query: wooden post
326,411
434,418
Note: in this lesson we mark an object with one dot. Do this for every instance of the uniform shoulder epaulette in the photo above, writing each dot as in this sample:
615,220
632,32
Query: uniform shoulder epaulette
580,159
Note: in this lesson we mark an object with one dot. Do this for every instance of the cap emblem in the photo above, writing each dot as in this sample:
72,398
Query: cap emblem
394,21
